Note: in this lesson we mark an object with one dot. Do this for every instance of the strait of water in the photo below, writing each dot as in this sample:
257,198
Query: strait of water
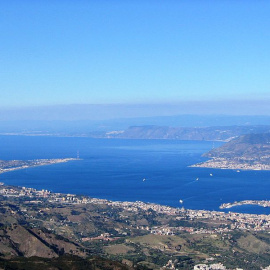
114,169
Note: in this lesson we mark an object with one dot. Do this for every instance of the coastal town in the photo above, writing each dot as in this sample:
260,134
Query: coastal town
245,202
232,164
226,221
108,226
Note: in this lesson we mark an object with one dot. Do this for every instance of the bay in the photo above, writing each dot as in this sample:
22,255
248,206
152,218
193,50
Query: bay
129,170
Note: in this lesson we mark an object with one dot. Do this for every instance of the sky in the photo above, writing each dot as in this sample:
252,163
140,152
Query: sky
57,52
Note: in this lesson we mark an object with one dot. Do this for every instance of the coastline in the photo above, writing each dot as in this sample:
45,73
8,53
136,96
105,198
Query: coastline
245,202
73,223
12,165
231,164
244,221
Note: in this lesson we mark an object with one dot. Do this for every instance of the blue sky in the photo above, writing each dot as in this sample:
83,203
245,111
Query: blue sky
100,52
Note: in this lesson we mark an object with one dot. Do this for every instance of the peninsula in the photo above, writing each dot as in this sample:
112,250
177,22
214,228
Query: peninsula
11,165
246,202
247,152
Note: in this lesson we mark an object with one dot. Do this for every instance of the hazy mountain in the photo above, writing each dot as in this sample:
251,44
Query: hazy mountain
247,152
187,133
250,146
99,127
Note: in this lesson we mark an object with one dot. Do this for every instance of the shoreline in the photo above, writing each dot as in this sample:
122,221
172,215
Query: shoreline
263,203
231,164
25,164
104,137
67,198
44,217
44,162
246,221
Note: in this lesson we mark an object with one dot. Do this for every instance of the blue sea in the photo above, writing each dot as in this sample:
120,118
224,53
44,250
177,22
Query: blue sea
129,170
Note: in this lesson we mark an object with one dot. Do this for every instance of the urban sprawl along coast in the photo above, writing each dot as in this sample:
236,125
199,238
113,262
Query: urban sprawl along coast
232,164
245,202
133,231
73,216
229,221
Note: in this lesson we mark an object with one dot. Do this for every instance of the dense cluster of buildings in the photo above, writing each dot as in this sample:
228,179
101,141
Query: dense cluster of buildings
227,221
249,202
217,266
233,164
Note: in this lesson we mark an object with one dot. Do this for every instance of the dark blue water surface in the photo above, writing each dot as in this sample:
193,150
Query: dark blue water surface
114,169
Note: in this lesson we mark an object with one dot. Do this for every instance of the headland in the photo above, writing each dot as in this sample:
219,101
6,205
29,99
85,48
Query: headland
247,152
245,202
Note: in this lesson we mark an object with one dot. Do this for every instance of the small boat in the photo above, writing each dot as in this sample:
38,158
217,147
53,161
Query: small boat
144,179
197,179
211,174
237,171
181,201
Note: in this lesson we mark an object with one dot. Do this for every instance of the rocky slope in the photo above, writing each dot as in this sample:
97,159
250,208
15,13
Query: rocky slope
64,231
250,146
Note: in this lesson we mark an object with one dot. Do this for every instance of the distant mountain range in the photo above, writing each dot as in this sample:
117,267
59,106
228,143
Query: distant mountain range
13,122
78,129
219,133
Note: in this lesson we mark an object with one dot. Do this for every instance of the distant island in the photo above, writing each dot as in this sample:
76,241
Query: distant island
247,152
11,165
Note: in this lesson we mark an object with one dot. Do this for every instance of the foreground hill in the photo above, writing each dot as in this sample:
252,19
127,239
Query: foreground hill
251,151
44,230
64,262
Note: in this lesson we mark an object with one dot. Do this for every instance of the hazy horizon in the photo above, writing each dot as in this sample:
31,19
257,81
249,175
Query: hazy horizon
206,56
97,112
